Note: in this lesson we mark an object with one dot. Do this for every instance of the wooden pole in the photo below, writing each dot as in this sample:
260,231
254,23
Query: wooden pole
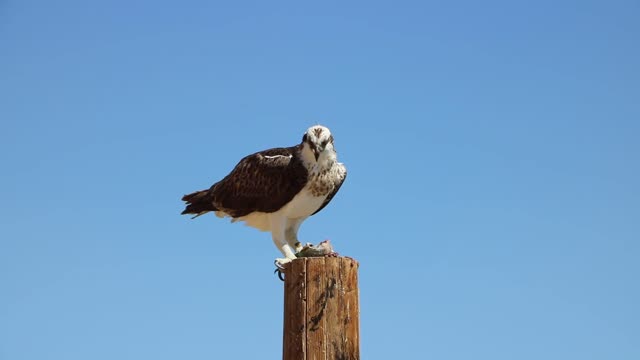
321,309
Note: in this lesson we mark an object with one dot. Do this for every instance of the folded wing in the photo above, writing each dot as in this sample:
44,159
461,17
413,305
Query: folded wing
264,181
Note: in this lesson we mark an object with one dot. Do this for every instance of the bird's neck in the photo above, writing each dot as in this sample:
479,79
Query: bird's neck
325,161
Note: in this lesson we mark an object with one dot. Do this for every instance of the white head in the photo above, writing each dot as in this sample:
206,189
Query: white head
317,145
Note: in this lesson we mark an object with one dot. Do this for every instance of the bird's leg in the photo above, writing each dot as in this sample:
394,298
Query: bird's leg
278,236
285,249
291,234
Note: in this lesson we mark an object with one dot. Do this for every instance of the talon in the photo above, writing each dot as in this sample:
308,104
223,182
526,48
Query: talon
280,274
280,266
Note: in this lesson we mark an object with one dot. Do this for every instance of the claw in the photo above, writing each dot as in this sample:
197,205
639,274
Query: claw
280,274
280,267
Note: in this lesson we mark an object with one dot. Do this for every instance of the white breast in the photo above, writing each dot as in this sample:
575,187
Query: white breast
304,204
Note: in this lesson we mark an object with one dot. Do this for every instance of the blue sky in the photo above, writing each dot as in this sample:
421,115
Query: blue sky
492,197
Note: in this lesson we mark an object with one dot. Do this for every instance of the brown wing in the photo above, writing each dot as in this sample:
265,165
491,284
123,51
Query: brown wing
264,181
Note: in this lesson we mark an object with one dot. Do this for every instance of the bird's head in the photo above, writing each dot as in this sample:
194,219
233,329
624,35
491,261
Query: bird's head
317,144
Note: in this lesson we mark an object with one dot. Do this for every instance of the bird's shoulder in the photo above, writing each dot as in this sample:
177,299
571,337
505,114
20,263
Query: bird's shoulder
341,171
270,158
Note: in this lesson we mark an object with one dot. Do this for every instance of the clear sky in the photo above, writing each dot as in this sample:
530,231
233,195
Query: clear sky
493,196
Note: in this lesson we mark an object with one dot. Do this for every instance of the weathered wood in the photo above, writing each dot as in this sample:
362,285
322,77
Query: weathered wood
321,309
295,303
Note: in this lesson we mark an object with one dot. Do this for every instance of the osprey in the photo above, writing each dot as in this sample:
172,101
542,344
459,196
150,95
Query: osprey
275,190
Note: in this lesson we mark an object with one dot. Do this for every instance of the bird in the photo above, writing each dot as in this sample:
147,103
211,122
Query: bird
276,190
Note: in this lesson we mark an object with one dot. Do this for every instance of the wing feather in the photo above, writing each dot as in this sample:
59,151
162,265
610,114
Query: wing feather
264,181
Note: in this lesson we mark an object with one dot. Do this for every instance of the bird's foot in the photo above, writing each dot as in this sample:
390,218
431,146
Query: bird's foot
332,254
281,262
280,266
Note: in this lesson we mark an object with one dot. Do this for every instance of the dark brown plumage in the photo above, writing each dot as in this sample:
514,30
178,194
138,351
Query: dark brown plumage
279,172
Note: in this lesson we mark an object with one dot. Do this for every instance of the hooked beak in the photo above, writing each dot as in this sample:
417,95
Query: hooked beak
316,151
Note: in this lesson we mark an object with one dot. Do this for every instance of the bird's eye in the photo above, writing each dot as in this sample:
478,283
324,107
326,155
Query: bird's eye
331,139
304,137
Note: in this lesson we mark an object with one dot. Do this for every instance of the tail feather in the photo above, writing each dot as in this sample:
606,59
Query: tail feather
198,203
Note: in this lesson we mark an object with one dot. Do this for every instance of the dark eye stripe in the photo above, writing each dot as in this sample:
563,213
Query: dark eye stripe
331,139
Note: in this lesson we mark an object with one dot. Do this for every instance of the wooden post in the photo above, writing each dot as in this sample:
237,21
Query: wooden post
321,309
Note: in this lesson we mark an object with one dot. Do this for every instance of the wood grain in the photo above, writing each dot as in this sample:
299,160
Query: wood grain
321,319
